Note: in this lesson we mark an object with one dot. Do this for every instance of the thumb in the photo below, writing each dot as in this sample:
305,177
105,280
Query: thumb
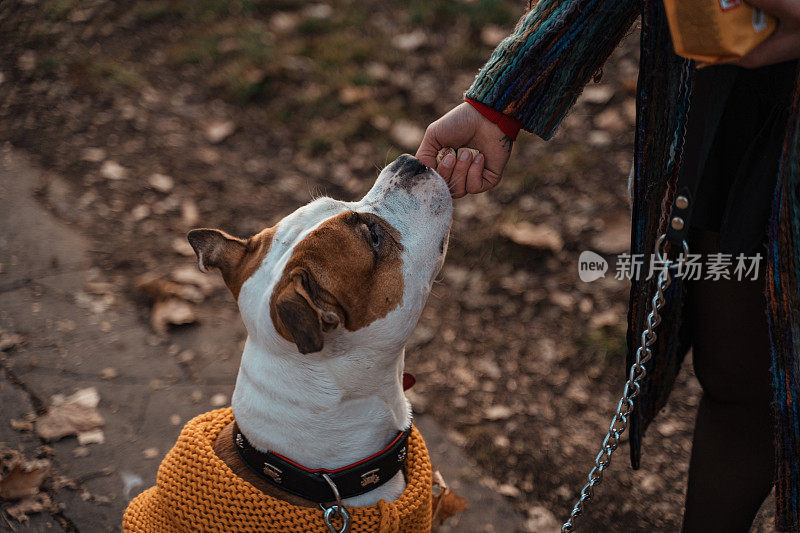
428,149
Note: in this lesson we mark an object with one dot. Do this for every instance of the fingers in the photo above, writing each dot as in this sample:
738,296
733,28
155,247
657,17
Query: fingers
488,180
474,175
462,165
784,10
446,166
458,180
781,46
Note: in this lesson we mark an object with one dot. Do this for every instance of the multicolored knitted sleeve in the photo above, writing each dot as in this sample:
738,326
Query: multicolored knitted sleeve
536,74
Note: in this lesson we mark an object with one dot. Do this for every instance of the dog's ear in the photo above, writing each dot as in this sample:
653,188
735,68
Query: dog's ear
299,311
217,249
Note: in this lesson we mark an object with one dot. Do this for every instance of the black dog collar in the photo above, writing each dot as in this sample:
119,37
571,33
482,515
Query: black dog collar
351,480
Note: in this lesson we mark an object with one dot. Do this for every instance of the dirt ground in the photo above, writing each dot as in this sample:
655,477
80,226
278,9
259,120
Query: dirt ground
153,117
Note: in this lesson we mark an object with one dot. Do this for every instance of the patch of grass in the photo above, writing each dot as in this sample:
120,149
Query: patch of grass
49,63
468,55
204,48
327,107
152,11
608,342
361,79
318,145
111,72
240,80
317,26
339,49
59,9
226,42
206,11
253,46
237,55
478,13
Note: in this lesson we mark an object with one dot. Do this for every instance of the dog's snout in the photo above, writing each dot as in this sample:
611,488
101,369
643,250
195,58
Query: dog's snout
410,165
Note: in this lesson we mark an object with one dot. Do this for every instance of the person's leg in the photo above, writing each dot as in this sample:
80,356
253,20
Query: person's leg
732,465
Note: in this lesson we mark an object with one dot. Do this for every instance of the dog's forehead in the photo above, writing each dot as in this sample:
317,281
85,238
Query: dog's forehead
306,218
291,231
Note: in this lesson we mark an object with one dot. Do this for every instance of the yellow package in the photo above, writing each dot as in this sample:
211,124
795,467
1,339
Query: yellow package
716,31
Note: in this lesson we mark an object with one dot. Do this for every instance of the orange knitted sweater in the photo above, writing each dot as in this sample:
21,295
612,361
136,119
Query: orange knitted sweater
196,491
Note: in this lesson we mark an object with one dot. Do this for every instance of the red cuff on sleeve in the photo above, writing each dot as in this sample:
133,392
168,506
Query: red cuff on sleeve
508,125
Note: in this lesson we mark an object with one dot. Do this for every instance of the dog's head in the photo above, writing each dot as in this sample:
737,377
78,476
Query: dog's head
334,275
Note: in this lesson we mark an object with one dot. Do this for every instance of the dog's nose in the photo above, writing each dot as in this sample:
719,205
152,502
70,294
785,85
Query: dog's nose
410,165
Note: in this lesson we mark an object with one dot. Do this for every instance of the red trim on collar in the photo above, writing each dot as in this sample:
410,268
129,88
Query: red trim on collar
351,465
508,125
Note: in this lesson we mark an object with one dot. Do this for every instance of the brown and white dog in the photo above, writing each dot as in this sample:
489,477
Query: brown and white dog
329,297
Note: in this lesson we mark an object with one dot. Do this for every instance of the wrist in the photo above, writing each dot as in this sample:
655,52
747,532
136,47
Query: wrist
508,125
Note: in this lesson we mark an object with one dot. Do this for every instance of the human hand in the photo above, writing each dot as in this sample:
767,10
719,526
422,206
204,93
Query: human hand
463,126
784,43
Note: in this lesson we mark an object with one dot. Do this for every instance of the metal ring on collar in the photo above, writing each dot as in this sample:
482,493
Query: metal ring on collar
338,509
332,512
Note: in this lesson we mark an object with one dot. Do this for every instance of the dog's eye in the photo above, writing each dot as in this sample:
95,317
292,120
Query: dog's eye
375,235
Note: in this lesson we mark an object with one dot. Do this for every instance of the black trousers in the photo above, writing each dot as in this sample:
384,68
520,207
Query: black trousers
732,466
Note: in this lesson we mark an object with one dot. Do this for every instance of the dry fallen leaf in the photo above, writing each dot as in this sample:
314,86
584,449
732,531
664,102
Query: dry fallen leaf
498,412
182,247
22,425
173,312
34,504
109,373
70,416
541,520
352,94
537,236
615,237
597,94
190,275
217,131
80,451
446,503
218,400
406,135
608,318
283,22
169,301
161,182
94,436
156,288
150,453
99,287
186,356
409,42
492,35
10,340
610,120
93,155
111,170
189,213
509,490
23,479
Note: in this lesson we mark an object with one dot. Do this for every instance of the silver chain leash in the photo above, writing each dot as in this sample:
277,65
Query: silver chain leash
619,423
